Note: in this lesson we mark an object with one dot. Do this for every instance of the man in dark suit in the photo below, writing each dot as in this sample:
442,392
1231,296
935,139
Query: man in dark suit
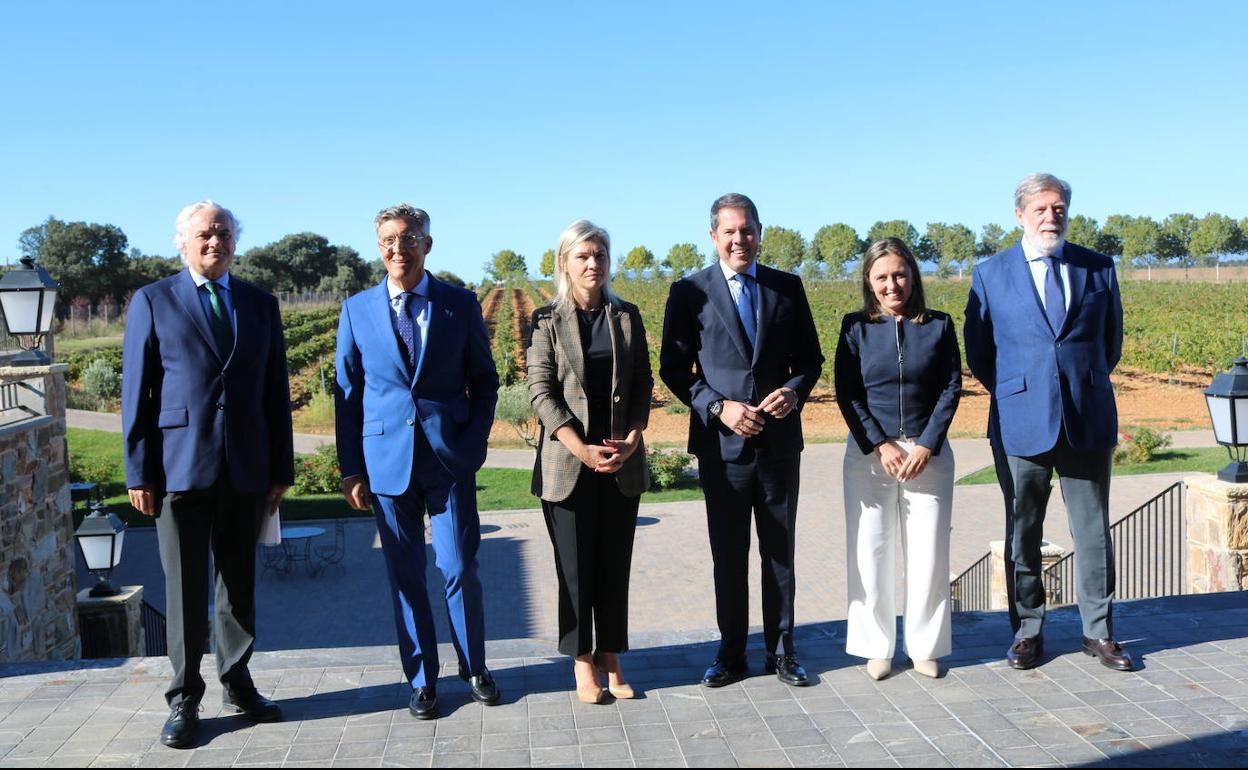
1043,332
415,401
740,349
206,419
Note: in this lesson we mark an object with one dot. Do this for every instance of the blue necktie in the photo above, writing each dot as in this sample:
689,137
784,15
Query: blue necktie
407,329
1054,295
745,307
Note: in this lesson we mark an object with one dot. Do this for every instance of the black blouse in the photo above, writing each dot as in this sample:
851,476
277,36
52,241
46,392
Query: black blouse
596,345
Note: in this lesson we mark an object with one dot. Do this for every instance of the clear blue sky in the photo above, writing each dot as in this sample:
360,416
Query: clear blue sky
506,121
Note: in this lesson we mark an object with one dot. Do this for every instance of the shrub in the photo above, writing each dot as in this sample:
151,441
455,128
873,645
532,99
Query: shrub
79,359
668,469
1141,446
101,380
100,469
515,409
318,473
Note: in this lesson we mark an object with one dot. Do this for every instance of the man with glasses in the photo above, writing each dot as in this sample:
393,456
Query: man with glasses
205,411
415,402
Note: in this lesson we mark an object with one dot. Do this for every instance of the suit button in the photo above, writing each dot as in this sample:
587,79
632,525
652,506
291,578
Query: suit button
411,421
221,407
616,399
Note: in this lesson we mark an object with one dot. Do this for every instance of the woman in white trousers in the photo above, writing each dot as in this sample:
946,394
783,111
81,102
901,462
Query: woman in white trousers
898,379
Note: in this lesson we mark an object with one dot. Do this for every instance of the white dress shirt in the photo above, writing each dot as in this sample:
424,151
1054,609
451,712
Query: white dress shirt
420,308
1040,268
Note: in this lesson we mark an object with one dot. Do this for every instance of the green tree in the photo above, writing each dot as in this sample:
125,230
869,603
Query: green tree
949,246
88,260
835,246
991,240
304,262
446,276
894,228
781,248
547,267
1084,231
1174,239
1011,238
505,265
638,260
683,258
1213,236
143,269
1137,237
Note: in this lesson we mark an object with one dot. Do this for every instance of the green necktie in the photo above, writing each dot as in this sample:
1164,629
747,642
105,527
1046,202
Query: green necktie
221,329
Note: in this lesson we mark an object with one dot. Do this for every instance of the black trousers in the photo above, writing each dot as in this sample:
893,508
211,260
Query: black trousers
765,489
592,533
224,522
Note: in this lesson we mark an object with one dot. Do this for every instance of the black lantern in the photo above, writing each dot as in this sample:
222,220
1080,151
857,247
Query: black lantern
1227,398
99,538
27,299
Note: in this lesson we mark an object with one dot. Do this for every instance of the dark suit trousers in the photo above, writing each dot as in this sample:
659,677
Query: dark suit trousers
765,489
592,533
1026,483
224,522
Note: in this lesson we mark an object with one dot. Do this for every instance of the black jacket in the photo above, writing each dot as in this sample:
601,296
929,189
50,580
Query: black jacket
898,377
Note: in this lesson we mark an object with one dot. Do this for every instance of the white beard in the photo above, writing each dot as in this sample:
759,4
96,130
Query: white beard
1045,247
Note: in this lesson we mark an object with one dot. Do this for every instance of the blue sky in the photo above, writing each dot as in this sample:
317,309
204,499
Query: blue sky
507,121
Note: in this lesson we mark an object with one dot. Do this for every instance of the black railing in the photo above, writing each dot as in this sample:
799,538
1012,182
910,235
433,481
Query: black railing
155,632
972,590
1150,554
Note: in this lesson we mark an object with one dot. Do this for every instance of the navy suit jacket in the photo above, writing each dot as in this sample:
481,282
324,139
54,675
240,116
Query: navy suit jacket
1043,381
379,401
187,408
706,356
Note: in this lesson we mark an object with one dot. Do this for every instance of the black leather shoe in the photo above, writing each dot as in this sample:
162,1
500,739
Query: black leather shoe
484,690
1110,654
251,704
1025,653
787,670
721,674
424,703
182,726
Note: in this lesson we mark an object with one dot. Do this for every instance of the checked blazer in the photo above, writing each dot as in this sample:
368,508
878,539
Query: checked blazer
556,368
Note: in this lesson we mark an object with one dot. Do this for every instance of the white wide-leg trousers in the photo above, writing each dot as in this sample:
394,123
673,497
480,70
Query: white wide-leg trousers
877,507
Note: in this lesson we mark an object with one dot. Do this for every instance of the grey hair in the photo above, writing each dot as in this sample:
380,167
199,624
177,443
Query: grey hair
572,236
182,224
1033,184
403,211
734,201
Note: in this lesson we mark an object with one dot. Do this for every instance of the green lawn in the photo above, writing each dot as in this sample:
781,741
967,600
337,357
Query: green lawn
1206,460
74,344
498,489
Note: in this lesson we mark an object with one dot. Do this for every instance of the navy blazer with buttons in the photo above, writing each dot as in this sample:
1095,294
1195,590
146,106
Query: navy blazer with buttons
884,395
187,408
1044,381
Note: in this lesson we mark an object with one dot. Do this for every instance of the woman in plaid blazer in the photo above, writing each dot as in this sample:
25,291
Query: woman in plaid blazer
590,384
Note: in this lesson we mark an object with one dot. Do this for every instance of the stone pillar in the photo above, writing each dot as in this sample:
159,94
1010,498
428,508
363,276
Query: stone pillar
112,626
1216,514
37,607
1050,554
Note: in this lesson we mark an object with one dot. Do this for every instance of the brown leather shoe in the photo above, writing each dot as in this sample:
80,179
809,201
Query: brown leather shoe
1110,653
1025,653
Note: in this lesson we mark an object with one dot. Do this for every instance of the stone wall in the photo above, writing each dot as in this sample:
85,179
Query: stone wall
1217,535
37,584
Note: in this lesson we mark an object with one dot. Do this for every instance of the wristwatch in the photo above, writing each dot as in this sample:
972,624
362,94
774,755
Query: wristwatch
715,408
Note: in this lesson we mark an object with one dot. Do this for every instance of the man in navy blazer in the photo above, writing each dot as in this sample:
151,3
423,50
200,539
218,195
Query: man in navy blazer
741,350
205,413
1043,332
415,401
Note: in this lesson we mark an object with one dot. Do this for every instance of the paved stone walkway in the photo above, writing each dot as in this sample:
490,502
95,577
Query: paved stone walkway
1186,707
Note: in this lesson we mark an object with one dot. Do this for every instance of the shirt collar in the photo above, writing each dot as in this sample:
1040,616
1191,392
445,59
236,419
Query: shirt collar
421,290
729,273
223,281
1032,253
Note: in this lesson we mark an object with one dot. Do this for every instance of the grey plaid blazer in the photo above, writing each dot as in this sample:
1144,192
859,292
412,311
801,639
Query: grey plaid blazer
556,367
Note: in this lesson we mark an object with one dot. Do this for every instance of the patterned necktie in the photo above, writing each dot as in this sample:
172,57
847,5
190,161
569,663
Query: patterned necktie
222,332
1054,295
407,329
745,307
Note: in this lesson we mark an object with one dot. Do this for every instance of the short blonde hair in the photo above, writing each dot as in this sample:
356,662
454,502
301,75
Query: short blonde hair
572,236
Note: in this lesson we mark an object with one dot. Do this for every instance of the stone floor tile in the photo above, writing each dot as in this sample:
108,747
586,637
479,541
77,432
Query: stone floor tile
456,760
506,758
360,749
555,755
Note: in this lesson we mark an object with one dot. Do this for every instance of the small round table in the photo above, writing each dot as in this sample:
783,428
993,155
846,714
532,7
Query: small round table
297,546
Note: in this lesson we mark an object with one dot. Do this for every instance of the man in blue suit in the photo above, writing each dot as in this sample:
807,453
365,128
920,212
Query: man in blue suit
741,350
205,413
1043,332
415,401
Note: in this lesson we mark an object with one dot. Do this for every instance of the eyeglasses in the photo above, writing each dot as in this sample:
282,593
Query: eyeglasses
406,240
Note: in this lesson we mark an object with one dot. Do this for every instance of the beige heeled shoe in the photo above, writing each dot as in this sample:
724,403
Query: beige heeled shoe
593,694
878,668
928,668
620,689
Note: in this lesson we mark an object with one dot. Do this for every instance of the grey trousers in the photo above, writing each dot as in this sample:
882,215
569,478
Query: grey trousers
1026,484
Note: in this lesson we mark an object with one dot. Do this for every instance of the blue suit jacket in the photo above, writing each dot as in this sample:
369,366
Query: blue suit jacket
706,356
379,404
187,407
1042,381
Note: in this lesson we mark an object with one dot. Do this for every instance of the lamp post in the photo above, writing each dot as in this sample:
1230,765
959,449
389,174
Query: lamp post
27,299
1227,398
99,538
